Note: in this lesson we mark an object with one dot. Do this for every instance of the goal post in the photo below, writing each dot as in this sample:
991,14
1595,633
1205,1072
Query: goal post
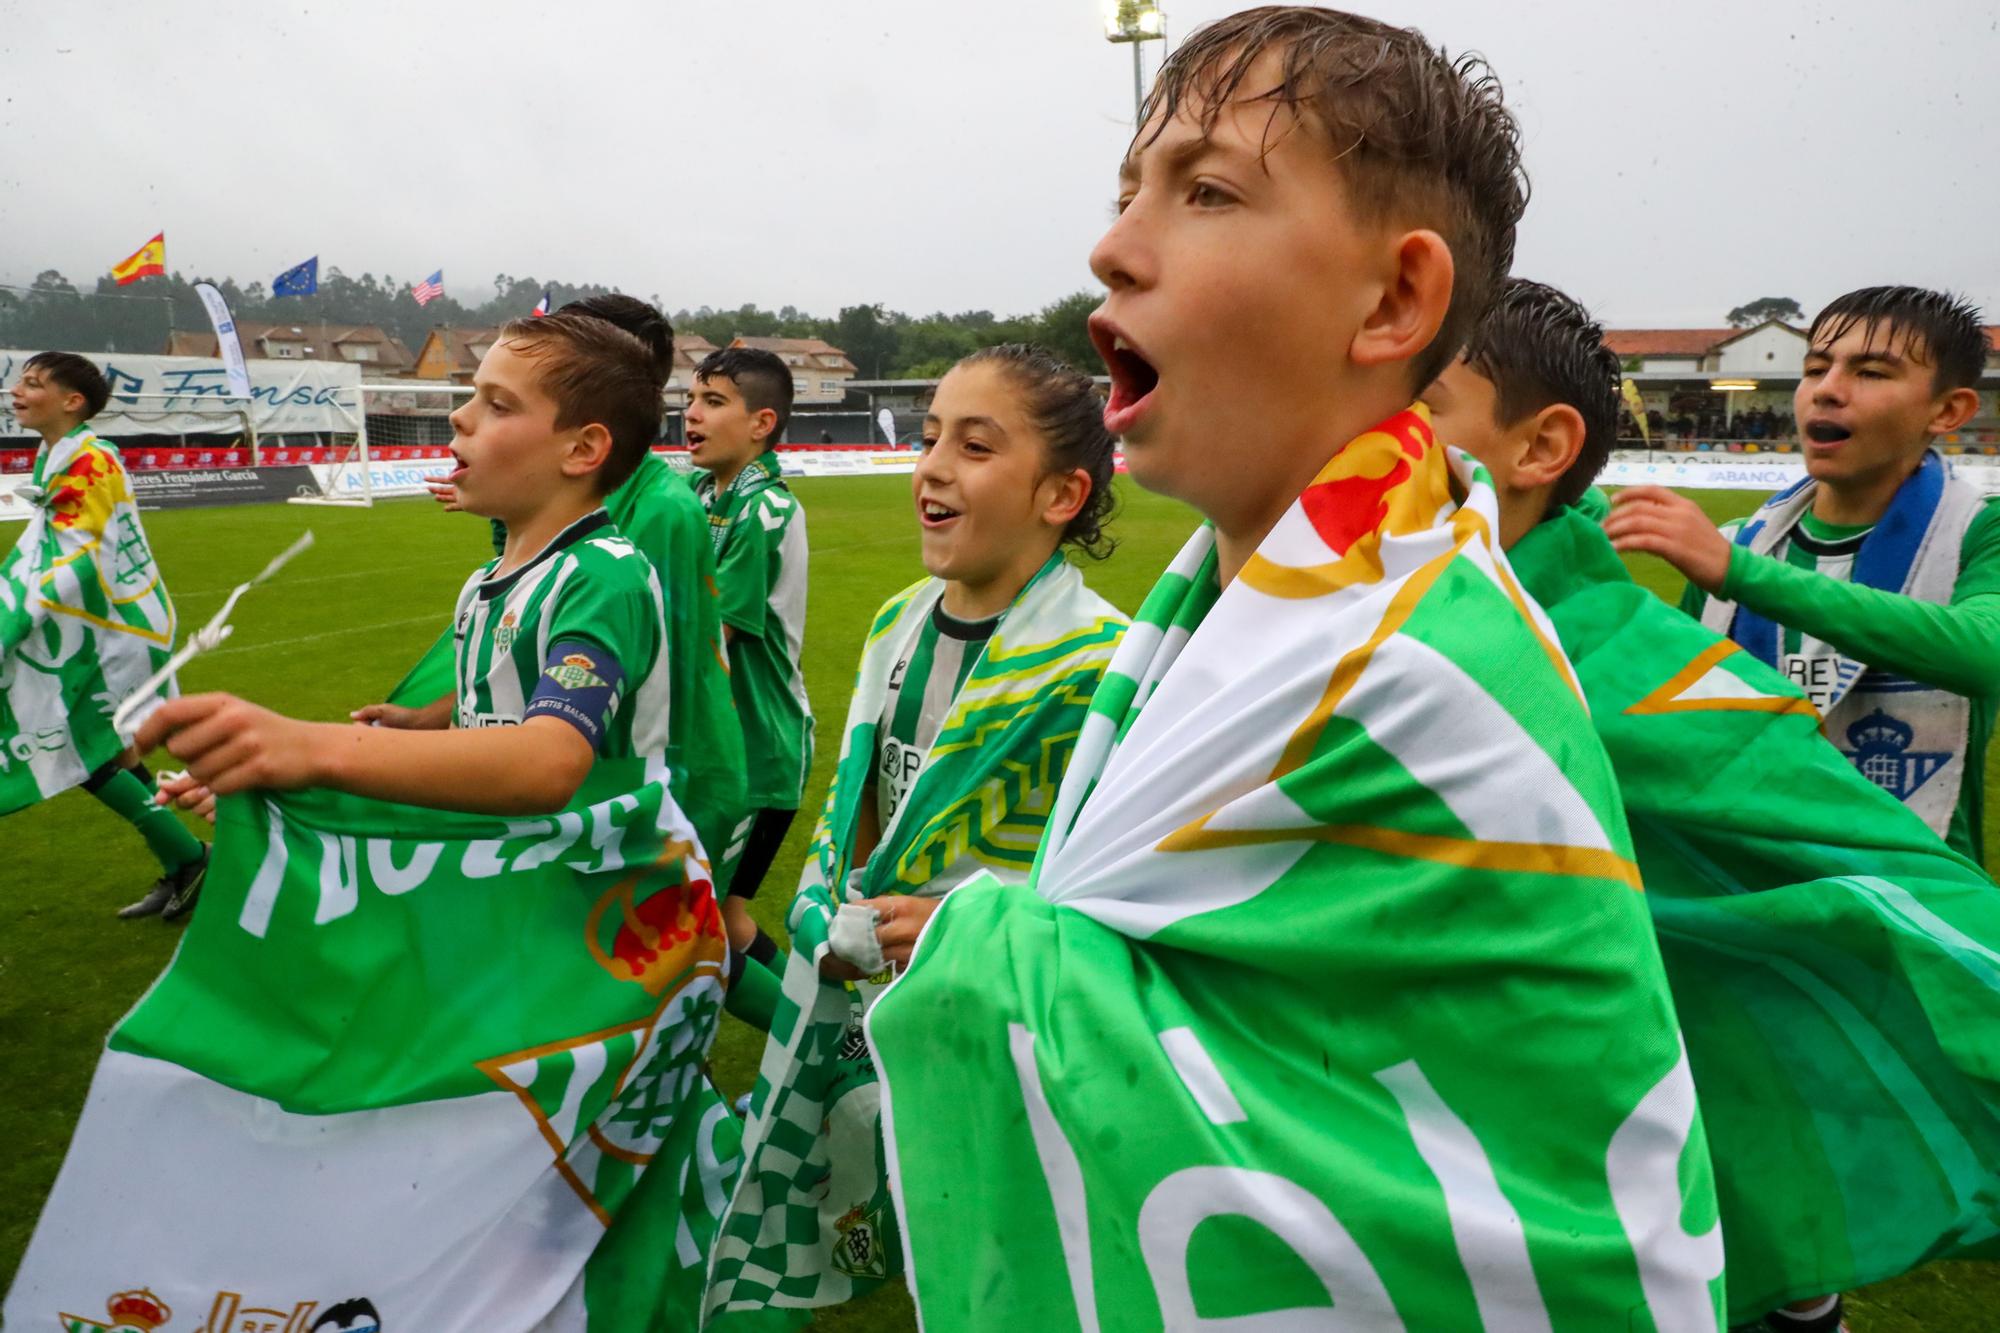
396,427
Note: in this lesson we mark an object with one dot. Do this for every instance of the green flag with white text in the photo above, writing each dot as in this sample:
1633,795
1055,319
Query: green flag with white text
1332,1001
430,1062
1836,966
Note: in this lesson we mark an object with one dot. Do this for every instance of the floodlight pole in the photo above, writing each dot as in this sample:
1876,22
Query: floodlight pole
1138,89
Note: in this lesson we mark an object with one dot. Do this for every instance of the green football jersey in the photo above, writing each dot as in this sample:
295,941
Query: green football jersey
591,586
759,531
1950,647
922,686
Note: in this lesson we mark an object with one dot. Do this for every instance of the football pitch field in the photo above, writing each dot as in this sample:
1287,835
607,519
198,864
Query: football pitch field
336,630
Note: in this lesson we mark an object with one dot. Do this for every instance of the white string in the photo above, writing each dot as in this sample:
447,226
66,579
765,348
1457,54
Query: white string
202,640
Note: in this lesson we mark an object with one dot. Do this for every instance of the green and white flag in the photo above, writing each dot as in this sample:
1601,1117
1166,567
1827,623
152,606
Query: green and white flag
437,1064
810,1223
1332,1001
1835,965
84,620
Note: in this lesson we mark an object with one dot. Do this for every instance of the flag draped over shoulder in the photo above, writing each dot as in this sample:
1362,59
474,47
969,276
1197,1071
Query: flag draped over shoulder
84,620
810,1223
1836,966
1332,986
416,1059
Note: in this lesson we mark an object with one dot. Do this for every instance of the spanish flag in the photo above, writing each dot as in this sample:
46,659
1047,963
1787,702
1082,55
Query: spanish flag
147,260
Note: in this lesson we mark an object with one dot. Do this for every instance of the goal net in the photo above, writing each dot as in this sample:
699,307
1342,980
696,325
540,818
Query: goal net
402,438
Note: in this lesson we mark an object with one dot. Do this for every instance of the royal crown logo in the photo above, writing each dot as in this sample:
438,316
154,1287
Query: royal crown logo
136,1311
1881,750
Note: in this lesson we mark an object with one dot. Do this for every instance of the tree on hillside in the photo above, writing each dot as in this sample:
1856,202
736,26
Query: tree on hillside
1763,308
867,337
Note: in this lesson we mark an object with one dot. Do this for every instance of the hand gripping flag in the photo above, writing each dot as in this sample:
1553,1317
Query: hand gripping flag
449,1064
810,1222
1332,1001
299,280
1836,966
149,260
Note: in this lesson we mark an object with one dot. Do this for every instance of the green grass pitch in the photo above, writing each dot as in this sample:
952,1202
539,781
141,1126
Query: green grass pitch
337,630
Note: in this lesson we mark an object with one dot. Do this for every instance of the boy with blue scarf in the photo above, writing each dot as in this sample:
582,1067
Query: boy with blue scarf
1875,582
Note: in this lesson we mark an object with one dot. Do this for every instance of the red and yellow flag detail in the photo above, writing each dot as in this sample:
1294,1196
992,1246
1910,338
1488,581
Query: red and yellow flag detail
86,493
148,260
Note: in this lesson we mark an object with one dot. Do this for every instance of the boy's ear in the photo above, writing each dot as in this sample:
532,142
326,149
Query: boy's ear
1958,407
1413,303
1549,447
73,403
1068,493
763,424
588,450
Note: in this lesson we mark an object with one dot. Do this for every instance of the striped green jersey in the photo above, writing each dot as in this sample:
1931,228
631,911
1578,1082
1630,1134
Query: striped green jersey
922,686
759,531
589,585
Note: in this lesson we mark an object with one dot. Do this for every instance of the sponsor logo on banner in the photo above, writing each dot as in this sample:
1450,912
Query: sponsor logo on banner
384,478
201,488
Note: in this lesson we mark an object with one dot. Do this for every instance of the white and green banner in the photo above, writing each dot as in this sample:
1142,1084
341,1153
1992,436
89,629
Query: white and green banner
449,1066
1333,1001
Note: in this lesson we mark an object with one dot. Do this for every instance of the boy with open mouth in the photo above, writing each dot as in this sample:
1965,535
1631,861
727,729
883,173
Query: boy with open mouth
1875,582
1331,986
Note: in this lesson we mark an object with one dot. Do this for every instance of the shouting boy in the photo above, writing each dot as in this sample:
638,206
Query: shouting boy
84,620
1784,884
1337,888
1875,582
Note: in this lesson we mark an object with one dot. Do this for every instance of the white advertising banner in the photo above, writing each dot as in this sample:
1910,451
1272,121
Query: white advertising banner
342,481
173,395
1749,472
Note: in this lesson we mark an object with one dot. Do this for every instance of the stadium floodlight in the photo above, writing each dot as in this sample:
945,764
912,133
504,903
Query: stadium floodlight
1135,22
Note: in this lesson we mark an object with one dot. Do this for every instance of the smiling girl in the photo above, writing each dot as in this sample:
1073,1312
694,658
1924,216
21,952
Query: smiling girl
972,689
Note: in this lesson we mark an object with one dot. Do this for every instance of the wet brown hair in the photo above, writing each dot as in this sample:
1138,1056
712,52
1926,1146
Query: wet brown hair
595,369
1417,136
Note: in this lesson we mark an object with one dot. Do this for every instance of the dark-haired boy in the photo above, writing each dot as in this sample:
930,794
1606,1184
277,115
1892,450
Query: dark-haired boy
1760,846
84,620
1875,582
736,413
1331,986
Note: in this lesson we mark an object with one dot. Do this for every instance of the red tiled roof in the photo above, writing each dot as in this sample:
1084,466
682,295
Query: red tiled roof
1666,342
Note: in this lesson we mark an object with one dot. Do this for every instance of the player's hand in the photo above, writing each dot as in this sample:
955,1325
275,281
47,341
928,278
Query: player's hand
230,745
900,920
1660,522
395,716
445,494
186,792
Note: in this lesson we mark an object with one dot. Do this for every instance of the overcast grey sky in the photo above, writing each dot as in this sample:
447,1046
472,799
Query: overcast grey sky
1685,157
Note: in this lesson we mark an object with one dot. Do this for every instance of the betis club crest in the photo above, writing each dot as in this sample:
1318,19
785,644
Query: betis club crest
1881,750
858,1251
137,1311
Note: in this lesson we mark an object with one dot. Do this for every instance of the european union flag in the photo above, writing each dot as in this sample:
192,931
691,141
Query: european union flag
301,280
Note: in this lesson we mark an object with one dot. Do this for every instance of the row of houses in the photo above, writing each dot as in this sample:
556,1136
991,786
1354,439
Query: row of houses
820,371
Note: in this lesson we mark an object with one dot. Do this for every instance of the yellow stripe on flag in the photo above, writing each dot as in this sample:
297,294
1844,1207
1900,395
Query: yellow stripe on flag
147,260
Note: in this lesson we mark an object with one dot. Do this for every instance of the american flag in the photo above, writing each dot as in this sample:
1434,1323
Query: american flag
430,289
